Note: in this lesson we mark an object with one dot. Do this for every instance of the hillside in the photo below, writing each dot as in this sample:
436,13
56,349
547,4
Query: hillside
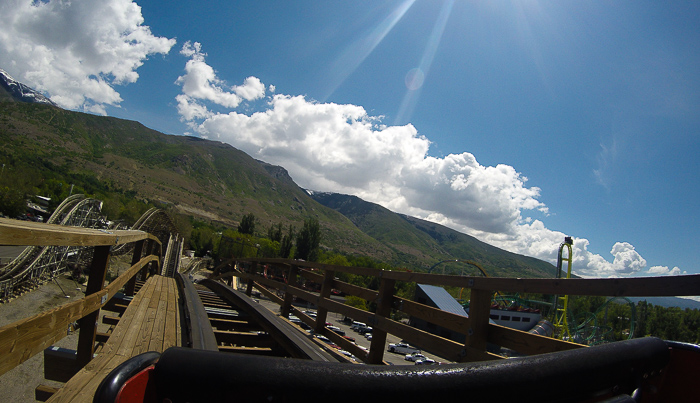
205,179
214,182
424,243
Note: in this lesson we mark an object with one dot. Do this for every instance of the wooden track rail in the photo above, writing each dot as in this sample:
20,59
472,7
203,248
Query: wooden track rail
477,330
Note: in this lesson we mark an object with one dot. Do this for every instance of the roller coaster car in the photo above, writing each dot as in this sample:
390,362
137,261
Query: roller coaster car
638,370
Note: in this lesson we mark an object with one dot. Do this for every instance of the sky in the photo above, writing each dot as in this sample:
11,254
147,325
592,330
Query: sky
517,122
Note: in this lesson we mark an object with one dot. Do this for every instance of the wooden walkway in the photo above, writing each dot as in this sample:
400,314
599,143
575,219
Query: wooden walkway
150,323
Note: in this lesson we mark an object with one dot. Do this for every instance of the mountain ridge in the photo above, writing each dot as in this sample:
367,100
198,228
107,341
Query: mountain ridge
21,92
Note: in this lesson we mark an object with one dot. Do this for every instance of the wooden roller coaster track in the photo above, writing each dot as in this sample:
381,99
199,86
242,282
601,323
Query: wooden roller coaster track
651,368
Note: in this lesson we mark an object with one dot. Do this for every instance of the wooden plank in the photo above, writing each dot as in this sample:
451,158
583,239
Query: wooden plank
158,333
72,388
118,348
28,233
110,320
527,343
447,320
42,393
88,323
130,287
247,350
322,312
288,290
170,338
142,339
244,339
126,333
231,324
479,308
23,339
376,348
361,292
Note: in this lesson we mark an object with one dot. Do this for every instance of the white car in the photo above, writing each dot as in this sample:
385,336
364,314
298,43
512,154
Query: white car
426,361
414,357
402,348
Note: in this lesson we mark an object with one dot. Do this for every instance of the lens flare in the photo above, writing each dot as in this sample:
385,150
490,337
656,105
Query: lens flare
414,79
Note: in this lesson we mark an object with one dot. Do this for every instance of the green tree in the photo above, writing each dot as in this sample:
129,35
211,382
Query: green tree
12,202
275,232
286,243
247,224
308,240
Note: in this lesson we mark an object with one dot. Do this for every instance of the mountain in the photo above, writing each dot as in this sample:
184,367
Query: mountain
422,243
669,302
126,163
14,90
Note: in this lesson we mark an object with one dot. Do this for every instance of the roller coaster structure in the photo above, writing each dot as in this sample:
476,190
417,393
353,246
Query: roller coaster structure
37,265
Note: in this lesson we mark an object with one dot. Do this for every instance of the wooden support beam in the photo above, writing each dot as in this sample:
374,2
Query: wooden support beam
249,287
43,393
102,337
322,311
386,295
248,350
232,324
438,317
88,324
527,343
138,251
288,295
479,308
244,339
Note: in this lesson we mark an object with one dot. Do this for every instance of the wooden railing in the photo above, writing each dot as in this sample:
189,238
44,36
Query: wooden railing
477,330
23,339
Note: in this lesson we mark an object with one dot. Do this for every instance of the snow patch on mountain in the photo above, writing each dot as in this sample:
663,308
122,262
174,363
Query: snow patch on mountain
22,92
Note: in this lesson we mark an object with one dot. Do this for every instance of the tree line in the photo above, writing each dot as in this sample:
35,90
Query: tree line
243,242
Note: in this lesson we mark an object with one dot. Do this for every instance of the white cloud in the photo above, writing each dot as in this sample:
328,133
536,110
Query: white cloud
76,51
664,271
200,84
627,260
341,148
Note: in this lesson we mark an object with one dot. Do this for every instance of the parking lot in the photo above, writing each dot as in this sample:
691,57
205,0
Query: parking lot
337,320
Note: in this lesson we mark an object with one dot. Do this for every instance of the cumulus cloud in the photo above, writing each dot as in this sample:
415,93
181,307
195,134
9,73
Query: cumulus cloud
200,83
664,271
76,51
341,148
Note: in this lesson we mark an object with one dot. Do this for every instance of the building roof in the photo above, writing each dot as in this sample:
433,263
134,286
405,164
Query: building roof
442,299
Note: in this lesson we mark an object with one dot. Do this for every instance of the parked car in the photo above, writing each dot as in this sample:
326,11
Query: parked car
368,336
356,326
402,348
426,361
336,329
364,330
414,357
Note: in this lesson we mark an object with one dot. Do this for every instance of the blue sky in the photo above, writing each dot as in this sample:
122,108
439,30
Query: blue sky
518,122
